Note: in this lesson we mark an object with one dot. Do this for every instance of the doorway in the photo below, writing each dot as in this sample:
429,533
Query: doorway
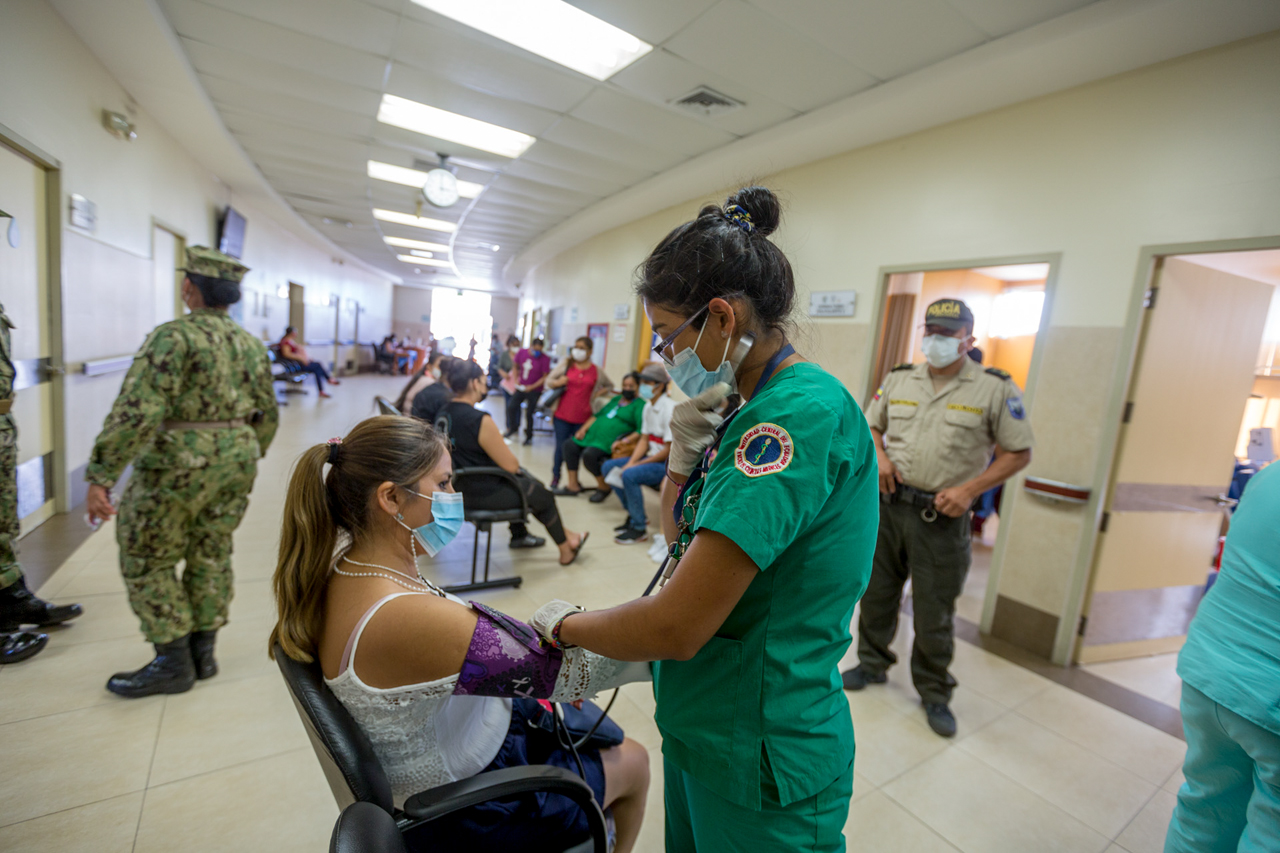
168,252
298,310
1008,304
1201,414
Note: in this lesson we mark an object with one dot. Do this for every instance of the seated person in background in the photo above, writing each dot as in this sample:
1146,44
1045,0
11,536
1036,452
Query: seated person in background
393,647
426,375
477,443
599,438
647,464
292,350
398,357
417,354
428,402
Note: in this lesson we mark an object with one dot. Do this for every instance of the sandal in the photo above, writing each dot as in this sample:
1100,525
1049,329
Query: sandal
581,542
561,492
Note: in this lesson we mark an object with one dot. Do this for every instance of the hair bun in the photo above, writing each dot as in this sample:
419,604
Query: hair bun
762,204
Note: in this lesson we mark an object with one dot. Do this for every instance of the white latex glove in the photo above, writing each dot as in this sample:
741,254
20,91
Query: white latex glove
693,428
549,614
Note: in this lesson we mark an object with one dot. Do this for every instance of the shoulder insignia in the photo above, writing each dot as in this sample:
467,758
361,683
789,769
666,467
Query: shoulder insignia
764,449
1016,410
995,371
906,365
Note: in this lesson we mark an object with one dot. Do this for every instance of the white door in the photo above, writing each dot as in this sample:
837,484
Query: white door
166,256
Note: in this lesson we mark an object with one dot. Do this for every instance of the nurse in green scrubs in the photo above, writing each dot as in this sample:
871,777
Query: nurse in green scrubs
776,537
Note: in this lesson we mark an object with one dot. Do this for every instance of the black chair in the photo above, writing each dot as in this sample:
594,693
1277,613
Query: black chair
356,776
484,519
365,828
286,371
385,406
383,361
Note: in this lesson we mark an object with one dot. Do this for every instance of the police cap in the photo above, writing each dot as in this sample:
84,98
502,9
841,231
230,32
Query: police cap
949,314
201,260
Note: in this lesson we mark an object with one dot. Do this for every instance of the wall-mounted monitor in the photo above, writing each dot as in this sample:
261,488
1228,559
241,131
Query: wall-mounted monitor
231,233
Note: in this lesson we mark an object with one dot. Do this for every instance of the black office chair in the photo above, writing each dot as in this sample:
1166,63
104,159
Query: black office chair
356,776
484,519
365,828
385,407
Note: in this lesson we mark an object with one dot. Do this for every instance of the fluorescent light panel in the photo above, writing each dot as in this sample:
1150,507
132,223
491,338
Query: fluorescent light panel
406,243
552,29
423,262
414,178
442,124
414,221
418,253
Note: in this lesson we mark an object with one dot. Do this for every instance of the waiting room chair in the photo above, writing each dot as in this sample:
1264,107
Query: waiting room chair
484,519
383,361
385,407
356,776
286,371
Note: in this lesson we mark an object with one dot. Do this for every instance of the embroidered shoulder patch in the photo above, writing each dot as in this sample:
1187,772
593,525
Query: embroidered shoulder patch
764,449
1016,411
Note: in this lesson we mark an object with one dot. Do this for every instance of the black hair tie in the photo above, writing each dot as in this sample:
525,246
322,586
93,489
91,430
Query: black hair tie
335,444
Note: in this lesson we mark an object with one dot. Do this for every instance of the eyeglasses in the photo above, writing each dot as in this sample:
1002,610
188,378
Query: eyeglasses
665,344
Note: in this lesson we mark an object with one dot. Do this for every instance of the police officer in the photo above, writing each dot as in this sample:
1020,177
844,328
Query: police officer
18,606
196,412
935,426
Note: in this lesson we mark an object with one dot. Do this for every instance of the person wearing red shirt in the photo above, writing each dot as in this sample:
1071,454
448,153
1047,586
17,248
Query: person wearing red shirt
581,381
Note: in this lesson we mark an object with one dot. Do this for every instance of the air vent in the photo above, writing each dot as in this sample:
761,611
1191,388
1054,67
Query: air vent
707,102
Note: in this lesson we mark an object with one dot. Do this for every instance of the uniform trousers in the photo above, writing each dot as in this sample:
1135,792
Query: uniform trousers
172,514
518,399
1230,802
935,555
699,820
9,526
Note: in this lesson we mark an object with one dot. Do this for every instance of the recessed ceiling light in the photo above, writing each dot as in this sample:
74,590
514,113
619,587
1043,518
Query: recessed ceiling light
423,262
415,221
414,178
406,243
452,127
552,29
418,253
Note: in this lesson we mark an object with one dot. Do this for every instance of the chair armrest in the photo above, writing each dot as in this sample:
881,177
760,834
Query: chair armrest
508,782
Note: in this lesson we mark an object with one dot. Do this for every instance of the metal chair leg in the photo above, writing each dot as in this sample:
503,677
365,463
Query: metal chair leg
513,581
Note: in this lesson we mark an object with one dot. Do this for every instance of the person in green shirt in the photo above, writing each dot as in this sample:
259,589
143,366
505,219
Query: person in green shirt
778,514
596,440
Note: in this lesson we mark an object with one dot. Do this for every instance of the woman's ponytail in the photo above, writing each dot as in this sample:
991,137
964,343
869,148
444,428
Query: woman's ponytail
307,542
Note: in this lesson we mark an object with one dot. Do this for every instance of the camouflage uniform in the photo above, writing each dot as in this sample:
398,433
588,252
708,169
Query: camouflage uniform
9,528
190,485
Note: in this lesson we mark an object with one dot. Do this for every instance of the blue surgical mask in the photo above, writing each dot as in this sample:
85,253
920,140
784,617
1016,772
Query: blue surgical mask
447,517
692,378
646,392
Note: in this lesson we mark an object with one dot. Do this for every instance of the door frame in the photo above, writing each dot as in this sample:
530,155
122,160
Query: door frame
181,235
1011,496
1081,580
53,266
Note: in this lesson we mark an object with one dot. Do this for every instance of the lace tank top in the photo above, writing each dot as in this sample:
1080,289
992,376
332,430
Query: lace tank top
424,736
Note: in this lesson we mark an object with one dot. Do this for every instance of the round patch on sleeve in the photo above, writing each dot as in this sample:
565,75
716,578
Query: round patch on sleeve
764,449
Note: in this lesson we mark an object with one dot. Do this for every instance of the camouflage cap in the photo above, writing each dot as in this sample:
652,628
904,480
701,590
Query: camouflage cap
949,314
201,260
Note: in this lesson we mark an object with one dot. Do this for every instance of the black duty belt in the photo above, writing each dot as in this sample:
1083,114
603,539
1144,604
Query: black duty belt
231,424
904,494
6,406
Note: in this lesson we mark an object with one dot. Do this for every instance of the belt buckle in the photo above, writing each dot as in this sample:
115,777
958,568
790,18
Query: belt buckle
929,514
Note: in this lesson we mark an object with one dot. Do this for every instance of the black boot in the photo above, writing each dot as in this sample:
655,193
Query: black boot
202,653
19,606
19,647
172,671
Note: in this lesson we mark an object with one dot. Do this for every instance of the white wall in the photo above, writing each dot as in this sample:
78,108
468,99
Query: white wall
53,98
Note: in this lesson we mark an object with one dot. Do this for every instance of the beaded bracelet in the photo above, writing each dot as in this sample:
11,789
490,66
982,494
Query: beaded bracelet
555,632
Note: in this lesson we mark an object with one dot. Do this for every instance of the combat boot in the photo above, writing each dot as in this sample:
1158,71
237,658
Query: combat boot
172,671
202,653
19,606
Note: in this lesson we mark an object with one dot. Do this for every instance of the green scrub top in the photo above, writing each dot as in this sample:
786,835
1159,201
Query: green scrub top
613,422
794,484
1232,653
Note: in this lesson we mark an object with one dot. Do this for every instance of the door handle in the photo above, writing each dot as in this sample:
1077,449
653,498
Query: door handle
1223,500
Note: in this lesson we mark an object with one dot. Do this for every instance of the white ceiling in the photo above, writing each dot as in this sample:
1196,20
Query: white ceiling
298,83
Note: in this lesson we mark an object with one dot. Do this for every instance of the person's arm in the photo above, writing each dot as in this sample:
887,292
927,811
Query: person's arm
677,622
641,449
264,400
559,377
659,455
492,444
582,430
956,500
889,474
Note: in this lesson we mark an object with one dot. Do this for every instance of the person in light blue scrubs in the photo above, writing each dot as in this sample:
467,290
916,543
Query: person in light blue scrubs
1230,669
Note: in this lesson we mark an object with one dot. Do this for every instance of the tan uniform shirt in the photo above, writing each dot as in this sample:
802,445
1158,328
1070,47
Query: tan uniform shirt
941,440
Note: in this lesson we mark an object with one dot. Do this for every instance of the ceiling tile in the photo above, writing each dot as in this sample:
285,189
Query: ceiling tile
557,156
655,21
887,38
659,127
769,56
200,22
596,140
285,108
502,72
434,91
662,77
552,176
346,22
1001,17
256,73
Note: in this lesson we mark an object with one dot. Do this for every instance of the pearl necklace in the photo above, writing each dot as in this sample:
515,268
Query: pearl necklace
419,579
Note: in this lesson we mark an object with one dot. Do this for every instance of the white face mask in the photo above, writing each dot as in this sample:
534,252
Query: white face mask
578,353
941,350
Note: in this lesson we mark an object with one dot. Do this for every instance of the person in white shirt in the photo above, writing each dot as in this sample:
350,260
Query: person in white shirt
648,462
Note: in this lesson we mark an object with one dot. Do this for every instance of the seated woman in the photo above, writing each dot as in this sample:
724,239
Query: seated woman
477,443
415,667
601,436
647,464
428,374
292,350
389,350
